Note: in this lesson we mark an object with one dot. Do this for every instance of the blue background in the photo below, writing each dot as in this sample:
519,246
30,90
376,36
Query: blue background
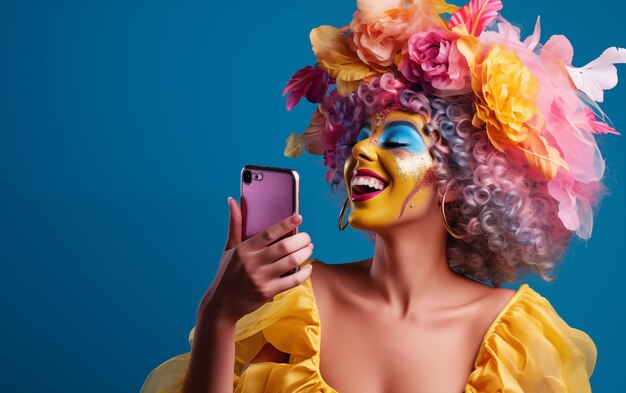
124,125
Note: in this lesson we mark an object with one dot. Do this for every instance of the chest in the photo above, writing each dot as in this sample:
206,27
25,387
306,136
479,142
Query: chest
365,354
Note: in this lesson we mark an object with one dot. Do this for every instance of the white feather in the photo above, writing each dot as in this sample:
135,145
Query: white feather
600,74
532,40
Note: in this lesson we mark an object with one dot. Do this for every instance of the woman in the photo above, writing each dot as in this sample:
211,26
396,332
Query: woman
467,154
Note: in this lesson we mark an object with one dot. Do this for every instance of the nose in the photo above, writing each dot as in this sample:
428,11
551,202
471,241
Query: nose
364,150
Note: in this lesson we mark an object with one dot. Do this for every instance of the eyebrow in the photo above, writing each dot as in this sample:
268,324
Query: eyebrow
403,123
423,137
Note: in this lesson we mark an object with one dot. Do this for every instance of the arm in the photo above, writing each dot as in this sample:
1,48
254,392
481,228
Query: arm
212,355
249,275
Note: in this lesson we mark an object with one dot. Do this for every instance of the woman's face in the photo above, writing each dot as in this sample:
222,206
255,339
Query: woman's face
389,174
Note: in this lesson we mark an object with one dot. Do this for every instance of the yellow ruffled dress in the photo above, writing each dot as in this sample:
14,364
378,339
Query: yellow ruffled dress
528,348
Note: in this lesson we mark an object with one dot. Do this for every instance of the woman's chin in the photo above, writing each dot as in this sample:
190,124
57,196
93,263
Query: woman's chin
372,224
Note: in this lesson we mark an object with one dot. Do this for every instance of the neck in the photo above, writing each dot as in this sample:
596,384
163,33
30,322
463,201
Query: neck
409,270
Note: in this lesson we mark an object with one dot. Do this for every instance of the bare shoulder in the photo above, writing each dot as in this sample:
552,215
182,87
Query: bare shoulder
497,298
338,283
335,270
339,276
483,295
321,277
488,305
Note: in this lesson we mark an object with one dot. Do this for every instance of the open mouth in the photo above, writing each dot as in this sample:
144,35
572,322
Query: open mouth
366,184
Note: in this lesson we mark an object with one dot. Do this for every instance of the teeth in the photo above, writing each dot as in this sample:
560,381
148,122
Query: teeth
367,181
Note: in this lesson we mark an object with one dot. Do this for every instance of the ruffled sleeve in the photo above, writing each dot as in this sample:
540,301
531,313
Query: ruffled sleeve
170,375
529,348
290,322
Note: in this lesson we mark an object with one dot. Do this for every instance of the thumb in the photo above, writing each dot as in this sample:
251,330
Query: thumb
234,224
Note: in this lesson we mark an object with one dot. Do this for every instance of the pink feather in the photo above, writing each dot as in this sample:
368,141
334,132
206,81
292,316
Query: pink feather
476,15
575,120
309,82
599,127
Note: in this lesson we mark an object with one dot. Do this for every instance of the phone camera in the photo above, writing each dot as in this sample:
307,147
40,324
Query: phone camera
247,177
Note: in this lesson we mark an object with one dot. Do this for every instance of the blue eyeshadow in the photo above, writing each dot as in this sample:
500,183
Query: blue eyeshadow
364,134
403,135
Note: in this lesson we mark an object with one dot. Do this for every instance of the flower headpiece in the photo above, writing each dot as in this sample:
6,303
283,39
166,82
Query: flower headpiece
534,105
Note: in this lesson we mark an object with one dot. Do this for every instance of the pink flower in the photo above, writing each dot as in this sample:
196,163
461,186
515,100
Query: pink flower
433,59
309,82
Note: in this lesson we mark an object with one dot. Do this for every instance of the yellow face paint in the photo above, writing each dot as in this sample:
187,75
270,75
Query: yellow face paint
389,174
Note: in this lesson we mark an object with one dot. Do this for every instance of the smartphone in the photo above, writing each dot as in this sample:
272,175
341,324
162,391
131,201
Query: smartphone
268,195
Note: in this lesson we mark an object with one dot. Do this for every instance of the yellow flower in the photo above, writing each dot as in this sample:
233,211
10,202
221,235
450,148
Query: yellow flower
335,56
293,146
506,91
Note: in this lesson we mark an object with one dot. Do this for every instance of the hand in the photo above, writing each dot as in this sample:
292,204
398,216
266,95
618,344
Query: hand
250,272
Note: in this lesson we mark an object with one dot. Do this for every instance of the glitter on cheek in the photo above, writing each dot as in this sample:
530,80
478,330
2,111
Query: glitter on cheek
410,165
417,168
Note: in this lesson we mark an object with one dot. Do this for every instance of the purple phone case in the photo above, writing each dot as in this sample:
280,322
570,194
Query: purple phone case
271,196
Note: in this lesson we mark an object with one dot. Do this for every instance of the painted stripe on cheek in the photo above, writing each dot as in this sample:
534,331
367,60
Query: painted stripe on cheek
427,180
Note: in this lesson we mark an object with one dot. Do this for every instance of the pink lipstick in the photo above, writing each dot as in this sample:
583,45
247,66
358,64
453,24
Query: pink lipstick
368,189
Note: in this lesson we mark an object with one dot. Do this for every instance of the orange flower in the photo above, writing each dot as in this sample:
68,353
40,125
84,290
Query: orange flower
382,27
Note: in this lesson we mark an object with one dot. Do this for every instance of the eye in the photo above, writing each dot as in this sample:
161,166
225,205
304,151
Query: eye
403,135
363,134
392,144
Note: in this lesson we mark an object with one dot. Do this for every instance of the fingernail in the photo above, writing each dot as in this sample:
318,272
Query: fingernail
312,246
229,198
296,219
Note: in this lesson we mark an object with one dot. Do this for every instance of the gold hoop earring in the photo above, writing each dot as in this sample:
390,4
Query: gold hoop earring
443,214
343,211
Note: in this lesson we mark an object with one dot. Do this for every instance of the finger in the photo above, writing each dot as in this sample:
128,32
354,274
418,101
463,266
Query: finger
292,280
289,262
274,232
286,246
234,224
